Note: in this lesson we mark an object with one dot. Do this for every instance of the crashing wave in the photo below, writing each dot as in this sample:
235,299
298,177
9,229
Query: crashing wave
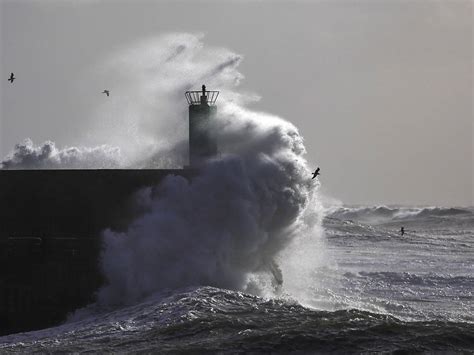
229,226
26,155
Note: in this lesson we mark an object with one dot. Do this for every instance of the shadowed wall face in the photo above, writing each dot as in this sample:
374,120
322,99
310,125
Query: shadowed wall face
50,227
202,143
71,203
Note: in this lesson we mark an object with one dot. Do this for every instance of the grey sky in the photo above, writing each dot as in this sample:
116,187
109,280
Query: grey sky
381,90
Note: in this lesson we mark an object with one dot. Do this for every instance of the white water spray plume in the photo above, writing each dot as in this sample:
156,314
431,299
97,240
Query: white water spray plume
249,221
47,156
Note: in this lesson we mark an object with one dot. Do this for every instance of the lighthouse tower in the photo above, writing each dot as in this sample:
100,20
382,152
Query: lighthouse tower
202,111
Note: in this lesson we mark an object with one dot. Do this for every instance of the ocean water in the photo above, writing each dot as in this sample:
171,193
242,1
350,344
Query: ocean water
238,259
380,291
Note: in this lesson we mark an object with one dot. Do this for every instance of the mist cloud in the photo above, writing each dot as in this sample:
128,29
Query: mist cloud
229,224
26,155
226,227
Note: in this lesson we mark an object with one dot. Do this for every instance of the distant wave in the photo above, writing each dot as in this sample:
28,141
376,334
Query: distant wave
382,214
414,279
438,211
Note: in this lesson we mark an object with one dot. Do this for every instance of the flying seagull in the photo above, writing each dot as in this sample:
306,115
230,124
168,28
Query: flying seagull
12,77
316,173
107,92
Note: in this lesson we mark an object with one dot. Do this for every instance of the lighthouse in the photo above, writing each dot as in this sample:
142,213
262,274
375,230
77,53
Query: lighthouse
202,112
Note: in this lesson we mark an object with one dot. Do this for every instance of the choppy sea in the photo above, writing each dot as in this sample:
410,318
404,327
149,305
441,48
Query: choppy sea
380,292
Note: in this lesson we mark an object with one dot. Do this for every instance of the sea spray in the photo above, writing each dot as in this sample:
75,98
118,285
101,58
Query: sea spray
228,225
251,211
146,114
27,155
229,222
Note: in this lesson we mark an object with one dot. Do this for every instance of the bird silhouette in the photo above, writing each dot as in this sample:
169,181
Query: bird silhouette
316,173
107,92
12,77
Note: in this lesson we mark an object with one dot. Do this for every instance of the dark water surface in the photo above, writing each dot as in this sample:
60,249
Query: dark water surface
381,292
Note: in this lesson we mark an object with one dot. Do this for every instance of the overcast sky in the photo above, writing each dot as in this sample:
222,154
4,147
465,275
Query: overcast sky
382,91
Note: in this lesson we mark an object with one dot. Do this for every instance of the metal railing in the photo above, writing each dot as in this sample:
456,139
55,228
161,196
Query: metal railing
202,97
